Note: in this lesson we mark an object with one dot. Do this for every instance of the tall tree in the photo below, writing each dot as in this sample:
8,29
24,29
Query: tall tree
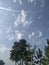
20,51
2,62
38,57
46,59
14,52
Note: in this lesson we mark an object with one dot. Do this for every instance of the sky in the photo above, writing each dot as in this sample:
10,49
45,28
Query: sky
23,19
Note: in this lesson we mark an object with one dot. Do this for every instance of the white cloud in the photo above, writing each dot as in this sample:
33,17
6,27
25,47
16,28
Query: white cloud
20,2
14,1
31,35
33,1
9,9
42,3
10,37
30,1
19,35
8,30
22,19
40,33
3,48
39,17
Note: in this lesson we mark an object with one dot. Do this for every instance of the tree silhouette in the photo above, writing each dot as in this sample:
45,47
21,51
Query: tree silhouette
38,57
20,52
46,58
1,62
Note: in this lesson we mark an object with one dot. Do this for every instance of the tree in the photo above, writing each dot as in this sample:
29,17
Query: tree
20,51
46,58
14,53
2,62
38,57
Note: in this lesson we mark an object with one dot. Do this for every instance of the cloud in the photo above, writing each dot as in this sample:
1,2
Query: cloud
31,35
18,34
31,1
3,48
9,29
40,33
14,1
20,2
22,19
9,9
37,33
42,3
10,37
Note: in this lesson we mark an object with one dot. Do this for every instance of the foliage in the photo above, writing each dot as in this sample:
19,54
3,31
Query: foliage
21,52
2,62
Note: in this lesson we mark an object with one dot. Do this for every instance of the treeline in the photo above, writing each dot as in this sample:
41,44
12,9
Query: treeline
22,53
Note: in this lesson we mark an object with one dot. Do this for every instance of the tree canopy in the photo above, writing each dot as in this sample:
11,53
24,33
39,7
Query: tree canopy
2,62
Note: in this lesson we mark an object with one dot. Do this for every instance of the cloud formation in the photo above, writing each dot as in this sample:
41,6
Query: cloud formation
3,48
18,34
22,19
36,34
9,9
31,35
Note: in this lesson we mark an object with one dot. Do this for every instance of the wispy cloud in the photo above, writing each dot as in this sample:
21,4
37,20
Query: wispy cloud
31,35
20,2
18,34
39,33
22,19
30,1
10,37
14,1
3,48
36,34
9,9
42,2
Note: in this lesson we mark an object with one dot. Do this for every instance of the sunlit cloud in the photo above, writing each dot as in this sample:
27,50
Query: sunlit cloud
36,34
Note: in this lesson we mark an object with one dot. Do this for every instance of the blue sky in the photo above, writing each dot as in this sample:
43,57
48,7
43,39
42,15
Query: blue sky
23,19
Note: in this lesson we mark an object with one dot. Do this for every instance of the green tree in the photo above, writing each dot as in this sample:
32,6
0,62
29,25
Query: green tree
46,58
20,51
38,57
